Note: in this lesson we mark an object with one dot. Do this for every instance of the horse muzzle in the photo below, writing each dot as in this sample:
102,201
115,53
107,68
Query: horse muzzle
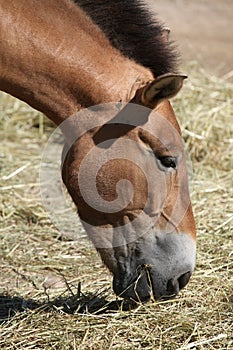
161,271
148,285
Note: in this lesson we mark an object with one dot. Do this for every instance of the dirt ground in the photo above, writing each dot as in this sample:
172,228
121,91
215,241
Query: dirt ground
202,30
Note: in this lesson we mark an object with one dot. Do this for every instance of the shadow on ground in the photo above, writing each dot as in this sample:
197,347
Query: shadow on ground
73,304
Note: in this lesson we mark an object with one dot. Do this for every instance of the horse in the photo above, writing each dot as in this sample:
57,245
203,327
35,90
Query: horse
62,57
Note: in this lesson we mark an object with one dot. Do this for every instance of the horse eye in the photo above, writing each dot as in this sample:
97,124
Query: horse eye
168,161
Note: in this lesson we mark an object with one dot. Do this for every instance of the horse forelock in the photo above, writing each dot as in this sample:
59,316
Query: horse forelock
132,29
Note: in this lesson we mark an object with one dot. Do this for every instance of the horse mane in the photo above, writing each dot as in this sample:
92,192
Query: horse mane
132,29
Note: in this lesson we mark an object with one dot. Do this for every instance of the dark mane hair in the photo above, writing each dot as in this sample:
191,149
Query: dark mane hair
133,30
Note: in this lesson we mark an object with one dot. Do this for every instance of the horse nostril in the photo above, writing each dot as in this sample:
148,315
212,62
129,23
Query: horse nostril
183,279
175,285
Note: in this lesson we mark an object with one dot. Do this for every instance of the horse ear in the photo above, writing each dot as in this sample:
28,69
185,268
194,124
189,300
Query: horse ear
162,88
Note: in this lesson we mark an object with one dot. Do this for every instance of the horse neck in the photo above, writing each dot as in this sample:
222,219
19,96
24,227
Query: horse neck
55,59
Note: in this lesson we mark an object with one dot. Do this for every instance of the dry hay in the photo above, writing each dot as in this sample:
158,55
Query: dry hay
56,294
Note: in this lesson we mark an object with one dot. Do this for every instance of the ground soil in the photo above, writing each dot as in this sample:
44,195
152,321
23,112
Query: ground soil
202,30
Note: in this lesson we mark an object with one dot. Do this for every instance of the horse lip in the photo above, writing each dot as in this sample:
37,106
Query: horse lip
122,288
129,290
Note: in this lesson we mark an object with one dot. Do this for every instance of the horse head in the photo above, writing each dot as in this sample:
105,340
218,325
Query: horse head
126,172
